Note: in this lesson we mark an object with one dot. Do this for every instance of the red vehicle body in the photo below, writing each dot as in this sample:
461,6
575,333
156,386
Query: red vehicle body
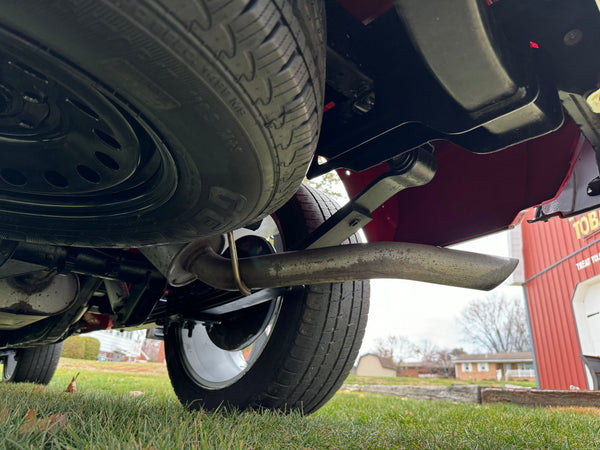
492,190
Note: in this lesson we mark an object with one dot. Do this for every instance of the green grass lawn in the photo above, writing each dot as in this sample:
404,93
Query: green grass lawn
102,414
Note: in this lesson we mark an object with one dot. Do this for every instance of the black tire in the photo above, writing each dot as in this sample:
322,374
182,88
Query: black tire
313,344
132,122
32,365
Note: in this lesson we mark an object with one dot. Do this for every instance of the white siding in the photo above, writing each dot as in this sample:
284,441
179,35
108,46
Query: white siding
129,343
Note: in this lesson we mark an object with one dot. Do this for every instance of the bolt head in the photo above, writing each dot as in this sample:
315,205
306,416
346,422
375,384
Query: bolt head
573,37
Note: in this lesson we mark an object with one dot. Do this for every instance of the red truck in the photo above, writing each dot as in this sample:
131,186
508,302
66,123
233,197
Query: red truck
153,153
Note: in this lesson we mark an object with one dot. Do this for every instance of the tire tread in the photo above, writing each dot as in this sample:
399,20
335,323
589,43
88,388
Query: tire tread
330,317
37,364
283,75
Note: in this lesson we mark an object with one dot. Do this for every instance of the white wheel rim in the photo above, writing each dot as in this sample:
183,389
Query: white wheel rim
213,367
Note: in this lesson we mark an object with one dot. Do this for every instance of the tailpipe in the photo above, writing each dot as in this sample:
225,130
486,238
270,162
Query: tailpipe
351,262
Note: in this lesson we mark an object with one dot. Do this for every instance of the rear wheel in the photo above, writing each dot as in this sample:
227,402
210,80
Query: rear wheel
32,365
295,352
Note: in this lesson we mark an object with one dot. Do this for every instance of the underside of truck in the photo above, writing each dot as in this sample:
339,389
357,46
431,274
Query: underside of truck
153,155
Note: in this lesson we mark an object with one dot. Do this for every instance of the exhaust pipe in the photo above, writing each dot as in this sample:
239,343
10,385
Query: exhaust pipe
348,263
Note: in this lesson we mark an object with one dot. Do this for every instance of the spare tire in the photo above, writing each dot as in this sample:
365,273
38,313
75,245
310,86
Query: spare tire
128,122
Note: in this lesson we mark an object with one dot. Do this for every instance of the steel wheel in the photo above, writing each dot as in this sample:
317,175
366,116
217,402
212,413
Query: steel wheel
214,367
9,365
70,150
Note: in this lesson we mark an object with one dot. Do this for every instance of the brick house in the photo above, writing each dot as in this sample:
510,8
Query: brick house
495,366
426,369
410,369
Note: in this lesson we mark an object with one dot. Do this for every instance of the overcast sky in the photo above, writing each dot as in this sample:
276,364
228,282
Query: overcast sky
426,311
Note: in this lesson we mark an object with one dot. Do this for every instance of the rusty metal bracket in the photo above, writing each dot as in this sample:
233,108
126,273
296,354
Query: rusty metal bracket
412,169
235,266
574,197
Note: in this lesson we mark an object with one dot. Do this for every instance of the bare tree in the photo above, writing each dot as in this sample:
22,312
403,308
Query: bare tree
398,348
497,323
444,359
427,350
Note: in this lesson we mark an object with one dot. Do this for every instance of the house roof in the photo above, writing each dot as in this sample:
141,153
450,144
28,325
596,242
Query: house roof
387,363
424,365
496,357
411,364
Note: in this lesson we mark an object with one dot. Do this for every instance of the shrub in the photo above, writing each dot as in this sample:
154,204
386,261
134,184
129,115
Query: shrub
81,347
92,347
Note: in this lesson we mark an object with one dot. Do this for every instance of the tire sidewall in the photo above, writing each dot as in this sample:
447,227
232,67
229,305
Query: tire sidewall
35,364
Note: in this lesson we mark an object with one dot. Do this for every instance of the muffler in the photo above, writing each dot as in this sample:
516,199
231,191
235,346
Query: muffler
347,263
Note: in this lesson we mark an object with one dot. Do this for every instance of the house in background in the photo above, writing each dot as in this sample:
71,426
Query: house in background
426,369
118,345
371,365
154,349
495,366
409,369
